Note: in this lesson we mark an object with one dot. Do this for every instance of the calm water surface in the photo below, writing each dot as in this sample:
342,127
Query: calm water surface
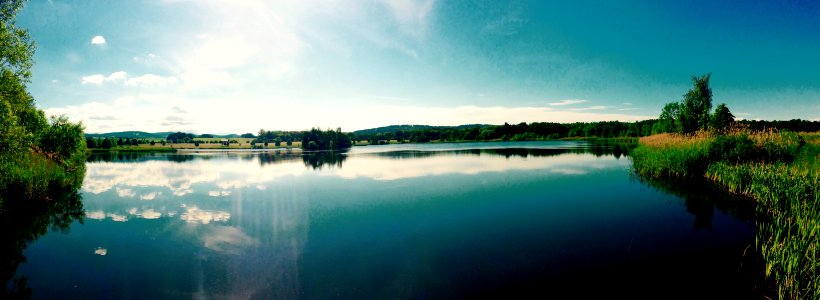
398,221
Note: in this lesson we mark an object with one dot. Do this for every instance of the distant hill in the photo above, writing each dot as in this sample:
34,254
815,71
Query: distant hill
129,135
146,135
395,128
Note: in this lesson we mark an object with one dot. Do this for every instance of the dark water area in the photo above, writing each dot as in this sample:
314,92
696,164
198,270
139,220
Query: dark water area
468,220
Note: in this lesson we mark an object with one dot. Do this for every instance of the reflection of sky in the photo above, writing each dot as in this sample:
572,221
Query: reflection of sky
383,168
239,207
245,218
154,189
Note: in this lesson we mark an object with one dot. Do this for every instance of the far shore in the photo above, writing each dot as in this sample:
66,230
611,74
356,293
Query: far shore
188,147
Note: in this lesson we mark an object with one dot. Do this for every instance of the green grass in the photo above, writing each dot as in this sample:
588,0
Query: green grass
777,169
29,175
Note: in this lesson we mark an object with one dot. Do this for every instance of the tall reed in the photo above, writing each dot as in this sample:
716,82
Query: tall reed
781,170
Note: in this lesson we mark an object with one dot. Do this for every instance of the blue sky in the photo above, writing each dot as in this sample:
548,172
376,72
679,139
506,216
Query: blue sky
239,66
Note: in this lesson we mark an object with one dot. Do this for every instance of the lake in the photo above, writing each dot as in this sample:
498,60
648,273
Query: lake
396,221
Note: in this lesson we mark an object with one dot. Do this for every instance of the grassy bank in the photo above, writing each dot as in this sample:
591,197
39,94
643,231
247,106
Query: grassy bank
30,176
777,169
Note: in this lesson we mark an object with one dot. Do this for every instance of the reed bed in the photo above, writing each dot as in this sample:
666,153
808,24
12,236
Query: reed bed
780,170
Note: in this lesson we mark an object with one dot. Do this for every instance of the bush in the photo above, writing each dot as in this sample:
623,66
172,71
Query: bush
62,139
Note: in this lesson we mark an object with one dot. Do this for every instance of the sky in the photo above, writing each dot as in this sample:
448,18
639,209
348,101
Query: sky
239,66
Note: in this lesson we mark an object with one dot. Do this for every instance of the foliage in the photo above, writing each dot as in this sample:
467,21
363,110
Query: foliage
722,119
693,112
62,139
517,132
795,125
667,122
180,137
16,46
34,154
274,136
697,102
316,139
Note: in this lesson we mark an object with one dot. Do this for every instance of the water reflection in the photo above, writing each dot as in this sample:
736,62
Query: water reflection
701,199
153,176
24,220
382,222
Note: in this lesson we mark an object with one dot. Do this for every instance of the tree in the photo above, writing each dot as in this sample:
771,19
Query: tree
668,120
696,106
24,129
180,137
16,46
62,139
722,118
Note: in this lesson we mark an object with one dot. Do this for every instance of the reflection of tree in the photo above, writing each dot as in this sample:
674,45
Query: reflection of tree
180,158
120,156
319,159
275,157
597,149
703,198
25,220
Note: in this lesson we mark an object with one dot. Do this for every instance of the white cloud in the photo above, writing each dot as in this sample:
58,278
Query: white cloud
150,196
100,78
146,80
96,215
150,80
125,193
119,75
219,193
98,40
567,102
374,167
93,79
118,218
594,107
196,215
149,214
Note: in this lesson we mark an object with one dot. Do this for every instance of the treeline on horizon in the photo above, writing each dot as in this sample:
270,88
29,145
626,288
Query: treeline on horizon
334,139
545,131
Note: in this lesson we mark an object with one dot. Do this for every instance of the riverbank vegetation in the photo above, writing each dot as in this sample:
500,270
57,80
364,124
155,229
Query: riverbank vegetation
777,168
37,154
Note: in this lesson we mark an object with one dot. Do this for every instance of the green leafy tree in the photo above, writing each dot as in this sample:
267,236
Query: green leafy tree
62,139
16,45
696,106
722,118
668,120
24,128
